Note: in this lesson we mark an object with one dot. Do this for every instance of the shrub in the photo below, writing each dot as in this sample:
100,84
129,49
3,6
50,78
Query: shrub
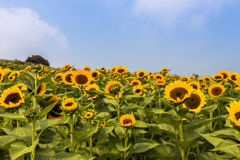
38,59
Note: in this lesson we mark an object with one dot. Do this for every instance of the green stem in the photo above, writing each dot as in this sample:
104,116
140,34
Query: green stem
33,138
159,102
118,107
90,142
211,115
71,135
181,136
126,141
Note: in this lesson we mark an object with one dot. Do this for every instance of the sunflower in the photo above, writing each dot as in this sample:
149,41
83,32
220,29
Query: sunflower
21,72
121,70
234,76
224,73
69,104
195,85
138,90
11,77
11,97
141,73
29,68
160,82
114,87
158,76
127,120
150,73
195,102
218,77
113,68
82,78
216,90
200,80
65,67
55,113
91,87
89,114
21,86
102,69
1,75
112,75
164,70
135,82
40,69
178,91
103,124
95,74
67,77
203,86
184,79
86,68
41,89
234,112
58,78
207,79
74,68
191,78
151,76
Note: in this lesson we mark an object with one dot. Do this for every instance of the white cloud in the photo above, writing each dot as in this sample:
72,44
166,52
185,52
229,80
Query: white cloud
169,12
23,33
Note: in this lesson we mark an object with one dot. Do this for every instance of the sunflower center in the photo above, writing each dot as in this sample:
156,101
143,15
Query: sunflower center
127,121
94,75
55,111
69,104
217,91
58,78
141,74
121,70
233,77
81,79
237,115
193,102
68,78
218,77
137,90
224,75
178,93
13,98
135,83
194,86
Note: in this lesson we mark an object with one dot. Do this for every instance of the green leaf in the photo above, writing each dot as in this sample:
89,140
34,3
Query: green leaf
182,112
44,153
50,122
174,122
67,156
120,132
24,134
168,129
107,152
140,124
184,144
196,124
143,147
85,133
20,148
105,131
110,101
5,141
208,156
155,111
139,131
13,116
45,110
207,108
103,116
130,108
147,99
121,148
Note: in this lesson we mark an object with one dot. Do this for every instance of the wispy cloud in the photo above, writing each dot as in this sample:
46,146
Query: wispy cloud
24,34
169,12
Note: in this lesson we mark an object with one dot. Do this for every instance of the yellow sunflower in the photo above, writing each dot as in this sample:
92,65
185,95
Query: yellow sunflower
184,78
234,112
121,70
158,76
95,74
164,70
224,73
138,89
141,73
178,91
55,113
234,76
1,75
87,68
81,78
65,67
200,80
74,68
203,86
91,87
195,85
21,86
102,69
69,104
41,89
135,82
67,77
89,114
11,97
103,124
113,68
160,82
216,90
11,77
195,102
207,79
29,68
114,87
218,77
127,120
58,78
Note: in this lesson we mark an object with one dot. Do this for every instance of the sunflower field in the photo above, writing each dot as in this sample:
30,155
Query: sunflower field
112,114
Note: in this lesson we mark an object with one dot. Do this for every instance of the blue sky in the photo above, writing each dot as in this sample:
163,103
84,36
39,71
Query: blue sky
187,36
